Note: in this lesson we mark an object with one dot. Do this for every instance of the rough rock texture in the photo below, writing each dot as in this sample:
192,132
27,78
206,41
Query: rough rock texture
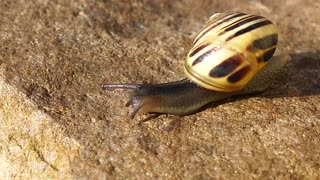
57,123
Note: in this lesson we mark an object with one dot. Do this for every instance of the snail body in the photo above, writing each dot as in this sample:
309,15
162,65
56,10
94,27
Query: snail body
232,55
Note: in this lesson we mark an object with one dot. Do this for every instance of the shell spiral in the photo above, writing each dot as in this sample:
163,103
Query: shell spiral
229,50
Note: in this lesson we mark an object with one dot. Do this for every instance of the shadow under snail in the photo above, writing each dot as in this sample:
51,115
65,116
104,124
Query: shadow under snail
232,55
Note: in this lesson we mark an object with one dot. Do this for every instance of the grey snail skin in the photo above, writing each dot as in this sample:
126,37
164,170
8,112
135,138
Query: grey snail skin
232,55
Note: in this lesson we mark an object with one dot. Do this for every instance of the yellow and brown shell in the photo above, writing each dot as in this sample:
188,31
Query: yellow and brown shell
230,49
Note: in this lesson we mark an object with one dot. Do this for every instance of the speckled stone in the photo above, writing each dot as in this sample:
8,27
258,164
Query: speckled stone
57,123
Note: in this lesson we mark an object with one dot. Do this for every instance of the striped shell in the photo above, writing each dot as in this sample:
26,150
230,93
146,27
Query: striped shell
230,49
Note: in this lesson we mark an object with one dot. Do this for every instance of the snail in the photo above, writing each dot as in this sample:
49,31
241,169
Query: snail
232,55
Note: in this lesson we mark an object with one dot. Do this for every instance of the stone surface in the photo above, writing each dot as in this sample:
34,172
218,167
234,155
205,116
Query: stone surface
57,123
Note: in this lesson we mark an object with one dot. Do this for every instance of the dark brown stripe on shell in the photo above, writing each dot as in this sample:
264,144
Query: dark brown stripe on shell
240,22
249,28
228,25
203,56
237,76
199,48
226,67
217,18
224,18
267,55
215,25
266,42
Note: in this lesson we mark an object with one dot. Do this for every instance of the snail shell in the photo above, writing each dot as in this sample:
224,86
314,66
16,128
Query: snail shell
229,50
